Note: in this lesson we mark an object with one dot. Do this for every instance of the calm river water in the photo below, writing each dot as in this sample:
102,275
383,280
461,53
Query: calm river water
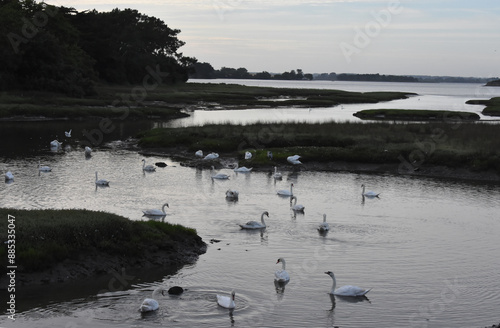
426,247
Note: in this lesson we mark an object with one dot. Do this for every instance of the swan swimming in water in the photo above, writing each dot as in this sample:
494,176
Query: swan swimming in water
295,207
347,290
277,175
368,193
155,212
284,192
255,224
199,153
148,168
211,156
226,301
232,194
281,275
88,151
243,169
43,168
324,226
248,155
220,176
55,144
101,182
151,304
294,159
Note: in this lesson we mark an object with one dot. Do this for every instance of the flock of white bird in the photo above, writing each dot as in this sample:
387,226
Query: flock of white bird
281,277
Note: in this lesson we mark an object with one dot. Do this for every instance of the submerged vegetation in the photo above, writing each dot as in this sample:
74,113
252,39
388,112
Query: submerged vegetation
47,237
454,143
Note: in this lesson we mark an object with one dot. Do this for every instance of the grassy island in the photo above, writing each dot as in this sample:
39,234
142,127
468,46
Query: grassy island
415,115
167,101
455,143
47,238
492,105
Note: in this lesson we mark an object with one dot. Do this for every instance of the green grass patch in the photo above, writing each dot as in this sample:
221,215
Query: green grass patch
47,237
492,105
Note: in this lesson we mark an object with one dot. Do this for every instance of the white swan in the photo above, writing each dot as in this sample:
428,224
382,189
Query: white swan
155,212
88,151
347,290
211,156
226,301
277,175
281,275
220,176
368,193
68,133
255,224
151,304
199,153
324,226
294,159
9,176
284,192
269,155
243,169
248,155
232,194
295,207
43,168
148,168
55,144
101,182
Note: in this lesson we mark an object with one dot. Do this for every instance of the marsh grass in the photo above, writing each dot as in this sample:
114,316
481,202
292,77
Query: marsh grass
415,114
47,237
455,143
492,105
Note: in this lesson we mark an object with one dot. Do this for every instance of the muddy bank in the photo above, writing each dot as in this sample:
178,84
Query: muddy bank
230,160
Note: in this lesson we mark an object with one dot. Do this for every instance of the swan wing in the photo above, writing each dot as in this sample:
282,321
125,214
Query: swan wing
281,275
349,290
225,301
252,225
149,304
154,212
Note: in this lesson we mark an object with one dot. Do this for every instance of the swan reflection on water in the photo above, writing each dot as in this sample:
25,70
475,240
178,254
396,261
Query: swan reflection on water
280,286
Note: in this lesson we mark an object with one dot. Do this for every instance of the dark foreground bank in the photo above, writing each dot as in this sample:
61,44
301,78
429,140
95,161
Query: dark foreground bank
63,245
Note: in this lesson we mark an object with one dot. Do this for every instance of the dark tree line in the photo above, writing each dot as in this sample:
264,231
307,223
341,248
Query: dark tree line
43,47
206,71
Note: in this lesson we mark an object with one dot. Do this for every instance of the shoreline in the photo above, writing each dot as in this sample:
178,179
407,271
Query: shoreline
228,160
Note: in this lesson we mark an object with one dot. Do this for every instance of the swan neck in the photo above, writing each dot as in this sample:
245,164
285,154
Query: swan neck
262,218
283,264
324,217
334,284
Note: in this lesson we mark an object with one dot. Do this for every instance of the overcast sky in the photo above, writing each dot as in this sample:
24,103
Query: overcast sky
417,37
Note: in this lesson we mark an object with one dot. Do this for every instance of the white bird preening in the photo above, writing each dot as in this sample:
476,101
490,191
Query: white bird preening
211,156
199,153
281,275
368,193
9,177
242,169
226,301
347,290
294,159
148,168
55,144
43,168
101,182
232,194
255,224
277,175
68,133
220,176
324,226
88,151
287,193
295,207
151,304
155,212
248,155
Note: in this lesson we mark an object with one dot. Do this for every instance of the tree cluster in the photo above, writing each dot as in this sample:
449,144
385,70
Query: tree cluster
59,49
206,71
